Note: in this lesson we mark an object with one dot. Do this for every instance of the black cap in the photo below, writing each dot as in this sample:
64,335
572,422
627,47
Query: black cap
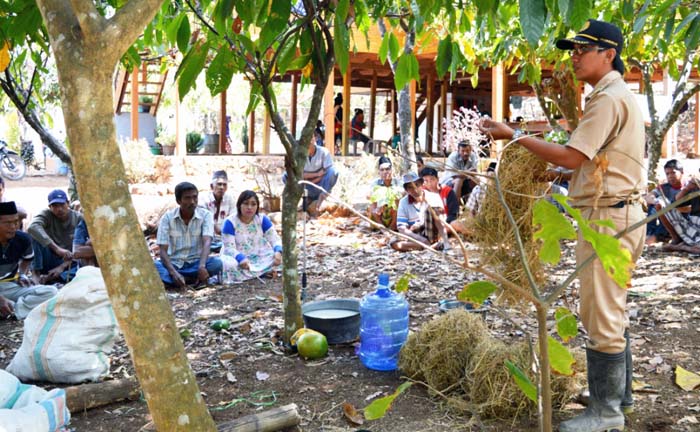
600,33
8,208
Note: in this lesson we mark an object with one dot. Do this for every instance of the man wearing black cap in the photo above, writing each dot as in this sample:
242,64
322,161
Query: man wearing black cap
606,152
17,293
52,233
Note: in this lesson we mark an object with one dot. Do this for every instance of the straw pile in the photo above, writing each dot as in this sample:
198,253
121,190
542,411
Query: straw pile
456,355
492,229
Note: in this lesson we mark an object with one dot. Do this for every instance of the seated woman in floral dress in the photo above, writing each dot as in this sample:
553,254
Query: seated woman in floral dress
251,246
384,196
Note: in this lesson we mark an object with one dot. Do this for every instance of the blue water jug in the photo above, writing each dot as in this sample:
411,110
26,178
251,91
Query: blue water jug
383,326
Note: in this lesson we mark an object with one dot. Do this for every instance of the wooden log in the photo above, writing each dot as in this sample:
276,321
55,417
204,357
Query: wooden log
267,421
87,396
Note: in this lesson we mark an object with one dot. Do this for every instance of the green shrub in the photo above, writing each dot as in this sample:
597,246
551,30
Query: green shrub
193,141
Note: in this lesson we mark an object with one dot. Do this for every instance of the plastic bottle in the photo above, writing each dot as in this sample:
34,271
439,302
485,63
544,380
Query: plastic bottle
383,326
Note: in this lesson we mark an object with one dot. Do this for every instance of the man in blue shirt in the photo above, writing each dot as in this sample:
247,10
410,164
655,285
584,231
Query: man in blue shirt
18,294
184,238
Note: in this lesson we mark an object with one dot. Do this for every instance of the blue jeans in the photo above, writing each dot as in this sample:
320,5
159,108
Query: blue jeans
189,270
655,227
327,182
45,260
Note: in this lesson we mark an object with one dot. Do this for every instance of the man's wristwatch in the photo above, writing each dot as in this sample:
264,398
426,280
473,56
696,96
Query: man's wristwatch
517,133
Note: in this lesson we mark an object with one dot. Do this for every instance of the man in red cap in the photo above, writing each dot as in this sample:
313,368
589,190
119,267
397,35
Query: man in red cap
606,152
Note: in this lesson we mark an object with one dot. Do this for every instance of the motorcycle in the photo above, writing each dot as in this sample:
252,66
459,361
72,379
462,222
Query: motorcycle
12,166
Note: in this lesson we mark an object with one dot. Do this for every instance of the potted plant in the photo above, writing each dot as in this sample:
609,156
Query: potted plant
145,103
168,143
193,141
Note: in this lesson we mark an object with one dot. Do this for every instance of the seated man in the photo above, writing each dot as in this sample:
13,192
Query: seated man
464,159
219,203
449,199
664,193
683,223
18,294
21,212
319,170
184,238
476,198
416,220
52,233
82,246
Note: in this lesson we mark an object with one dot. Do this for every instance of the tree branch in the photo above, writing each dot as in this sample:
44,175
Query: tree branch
128,23
89,19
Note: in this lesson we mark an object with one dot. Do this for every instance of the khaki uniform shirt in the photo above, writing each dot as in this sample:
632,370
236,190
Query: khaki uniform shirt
611,135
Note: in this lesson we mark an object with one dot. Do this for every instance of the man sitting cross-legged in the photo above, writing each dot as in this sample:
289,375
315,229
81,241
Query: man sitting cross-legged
52,233
416,220
18,294
220,203
449,199
184,238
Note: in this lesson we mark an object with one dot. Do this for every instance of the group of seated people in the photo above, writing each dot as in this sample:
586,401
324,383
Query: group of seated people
679,228
420,206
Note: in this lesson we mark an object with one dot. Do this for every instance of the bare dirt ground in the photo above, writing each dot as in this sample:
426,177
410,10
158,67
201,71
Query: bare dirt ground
243,370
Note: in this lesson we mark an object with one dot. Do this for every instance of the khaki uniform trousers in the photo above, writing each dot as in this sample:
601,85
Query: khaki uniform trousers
603,302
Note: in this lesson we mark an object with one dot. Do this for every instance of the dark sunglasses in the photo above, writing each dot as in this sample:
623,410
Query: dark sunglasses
583,49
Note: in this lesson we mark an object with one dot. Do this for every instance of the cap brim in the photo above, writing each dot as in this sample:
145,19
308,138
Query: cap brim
58,201
568,44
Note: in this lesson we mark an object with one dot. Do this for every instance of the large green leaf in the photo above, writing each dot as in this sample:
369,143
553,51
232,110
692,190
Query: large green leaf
580,12
532,17
172,29
384,48
567,327
627,9
559,357
222,13
565,9
692,36
183,34
341,44
191,66
394,48
220,71
287,54
406,69
254,98
444,56
247,10
275,24
554,227
616,260
379,407
341,11
522,380
476,292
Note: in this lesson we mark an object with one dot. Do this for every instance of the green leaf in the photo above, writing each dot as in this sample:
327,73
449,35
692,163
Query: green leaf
616,260
341,11
641,18
394,49
183,34
532,17
565,9
172,29
559,357
384,48
220,71
692,36
299,62
402,283
582,10
192,64
379,407
627,9
275,25
287,55
522,380
554,227
687,20
444,56
246,10
341,44
476,292
222,13
567,327
254,98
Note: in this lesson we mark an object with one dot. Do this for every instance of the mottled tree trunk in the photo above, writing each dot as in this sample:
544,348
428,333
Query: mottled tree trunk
87,47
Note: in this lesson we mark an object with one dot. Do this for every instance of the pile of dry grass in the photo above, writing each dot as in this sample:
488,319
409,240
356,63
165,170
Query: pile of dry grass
493,230
456,355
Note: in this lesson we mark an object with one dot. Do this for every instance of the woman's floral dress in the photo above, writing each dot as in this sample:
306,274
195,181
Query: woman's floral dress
256,241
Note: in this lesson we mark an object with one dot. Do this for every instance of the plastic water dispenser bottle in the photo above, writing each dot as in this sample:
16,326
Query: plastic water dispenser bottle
383,326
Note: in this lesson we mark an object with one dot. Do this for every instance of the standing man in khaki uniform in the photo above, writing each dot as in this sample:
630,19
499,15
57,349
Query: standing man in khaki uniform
606,152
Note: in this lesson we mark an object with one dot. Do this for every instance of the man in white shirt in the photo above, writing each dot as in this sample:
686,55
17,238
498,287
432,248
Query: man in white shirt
319,170
416,217
220,204
464,159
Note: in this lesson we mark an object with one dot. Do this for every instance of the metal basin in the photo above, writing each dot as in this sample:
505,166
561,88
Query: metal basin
446,305
337,319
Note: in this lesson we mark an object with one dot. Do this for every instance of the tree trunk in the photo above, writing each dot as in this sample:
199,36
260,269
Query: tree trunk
87,47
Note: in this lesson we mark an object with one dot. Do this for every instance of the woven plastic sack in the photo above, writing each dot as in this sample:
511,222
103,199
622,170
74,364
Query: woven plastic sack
68,338
27,408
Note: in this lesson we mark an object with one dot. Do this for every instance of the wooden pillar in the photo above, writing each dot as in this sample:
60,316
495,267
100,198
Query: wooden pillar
453,106
696,145
393,113
499,93
135,104
347,77
222,123
412,97
251,132
293,114
429,120
372,103
442,116
329,114
266,133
